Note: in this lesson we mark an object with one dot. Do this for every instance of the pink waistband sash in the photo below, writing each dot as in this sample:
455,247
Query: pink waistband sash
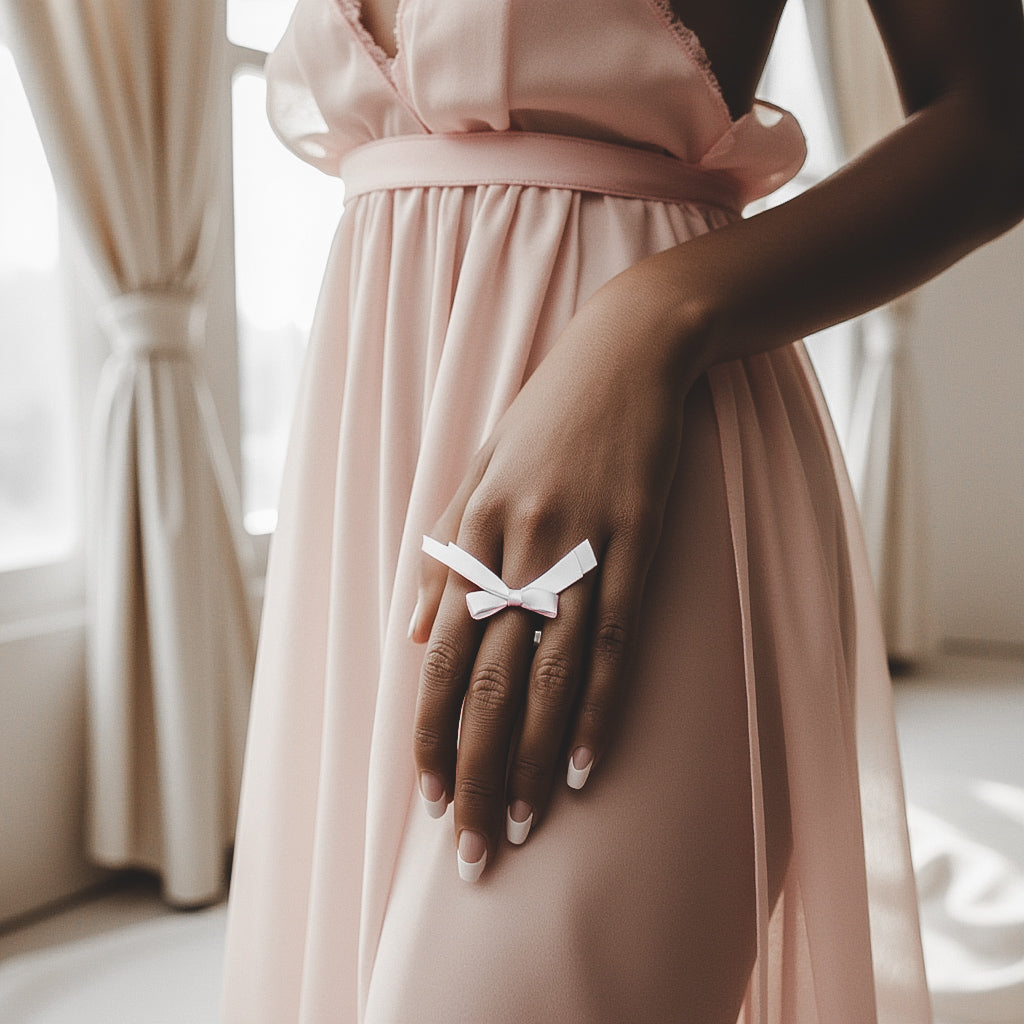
531,159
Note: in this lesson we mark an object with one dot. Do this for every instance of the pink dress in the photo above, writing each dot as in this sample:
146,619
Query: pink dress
744,840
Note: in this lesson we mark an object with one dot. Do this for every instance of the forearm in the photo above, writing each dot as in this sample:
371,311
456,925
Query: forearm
947,181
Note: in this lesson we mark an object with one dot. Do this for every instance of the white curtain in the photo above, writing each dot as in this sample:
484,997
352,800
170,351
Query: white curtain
126,93
881,441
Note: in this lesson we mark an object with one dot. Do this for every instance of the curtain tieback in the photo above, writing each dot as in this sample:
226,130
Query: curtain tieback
147,324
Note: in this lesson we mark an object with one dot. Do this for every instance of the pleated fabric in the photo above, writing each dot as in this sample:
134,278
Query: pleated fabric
742,851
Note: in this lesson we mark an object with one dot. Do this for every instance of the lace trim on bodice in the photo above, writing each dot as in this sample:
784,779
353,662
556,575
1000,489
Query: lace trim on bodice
690,43
353,12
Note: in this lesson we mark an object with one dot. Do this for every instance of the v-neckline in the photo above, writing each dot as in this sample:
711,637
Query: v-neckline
387,66
354,11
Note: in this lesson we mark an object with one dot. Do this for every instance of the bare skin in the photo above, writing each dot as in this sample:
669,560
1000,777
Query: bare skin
378,18
951,178
736,34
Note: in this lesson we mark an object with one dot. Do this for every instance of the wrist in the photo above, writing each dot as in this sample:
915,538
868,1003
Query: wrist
696,330
683,318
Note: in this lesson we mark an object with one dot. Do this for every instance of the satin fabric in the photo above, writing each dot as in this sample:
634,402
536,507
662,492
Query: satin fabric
746,830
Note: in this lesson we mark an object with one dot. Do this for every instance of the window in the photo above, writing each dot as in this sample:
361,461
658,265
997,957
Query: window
791,80
40,439
285,214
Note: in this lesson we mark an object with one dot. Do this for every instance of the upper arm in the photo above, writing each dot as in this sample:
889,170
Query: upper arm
975,47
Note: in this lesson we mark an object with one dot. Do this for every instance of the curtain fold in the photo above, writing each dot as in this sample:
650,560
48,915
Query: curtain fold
126,94
883,449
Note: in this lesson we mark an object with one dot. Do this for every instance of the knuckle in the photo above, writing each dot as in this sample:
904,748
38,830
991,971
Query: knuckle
639,520
530,772
442,662
535,515
483,513
594,713
474,793
425,742
611,639
552,679
490,688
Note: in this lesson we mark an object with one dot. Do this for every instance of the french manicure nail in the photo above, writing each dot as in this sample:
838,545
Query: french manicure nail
432,791
412,621
518,822
472,855
580,763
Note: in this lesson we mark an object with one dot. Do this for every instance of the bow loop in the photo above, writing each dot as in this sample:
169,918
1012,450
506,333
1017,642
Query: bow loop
540,596
543,602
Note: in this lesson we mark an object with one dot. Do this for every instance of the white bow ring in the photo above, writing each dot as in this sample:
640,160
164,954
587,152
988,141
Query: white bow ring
540,596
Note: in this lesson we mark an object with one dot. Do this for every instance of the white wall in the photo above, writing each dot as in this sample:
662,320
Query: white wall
42,765
968,350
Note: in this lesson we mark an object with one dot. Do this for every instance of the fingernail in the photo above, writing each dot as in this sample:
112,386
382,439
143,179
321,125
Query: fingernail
472,855
432,791
518,822
412,621
580,763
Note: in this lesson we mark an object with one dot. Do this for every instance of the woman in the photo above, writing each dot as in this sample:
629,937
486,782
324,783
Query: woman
544,323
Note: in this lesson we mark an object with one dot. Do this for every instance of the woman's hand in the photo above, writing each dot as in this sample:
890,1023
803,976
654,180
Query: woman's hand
589,447
587,451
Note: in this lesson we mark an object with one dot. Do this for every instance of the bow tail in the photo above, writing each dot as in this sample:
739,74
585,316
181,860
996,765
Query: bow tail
567,570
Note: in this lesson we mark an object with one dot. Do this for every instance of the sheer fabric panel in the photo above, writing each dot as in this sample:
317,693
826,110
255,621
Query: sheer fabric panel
883,452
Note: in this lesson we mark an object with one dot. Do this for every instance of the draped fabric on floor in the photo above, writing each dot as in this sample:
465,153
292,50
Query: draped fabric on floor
123,93
880,436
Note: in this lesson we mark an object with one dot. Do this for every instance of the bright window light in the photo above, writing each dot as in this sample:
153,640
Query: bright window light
39,514
285,216
258,24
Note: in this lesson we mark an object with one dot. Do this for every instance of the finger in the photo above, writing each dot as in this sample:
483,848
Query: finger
554,681
613,629
489,716
433,574
447,662
453,642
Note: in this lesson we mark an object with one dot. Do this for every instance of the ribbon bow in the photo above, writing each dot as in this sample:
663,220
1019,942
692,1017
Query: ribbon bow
540,596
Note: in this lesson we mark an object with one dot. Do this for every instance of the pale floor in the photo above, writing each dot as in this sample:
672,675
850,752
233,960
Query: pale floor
121,958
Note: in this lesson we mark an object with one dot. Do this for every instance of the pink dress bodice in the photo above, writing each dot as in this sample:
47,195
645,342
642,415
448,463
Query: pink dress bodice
528,65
